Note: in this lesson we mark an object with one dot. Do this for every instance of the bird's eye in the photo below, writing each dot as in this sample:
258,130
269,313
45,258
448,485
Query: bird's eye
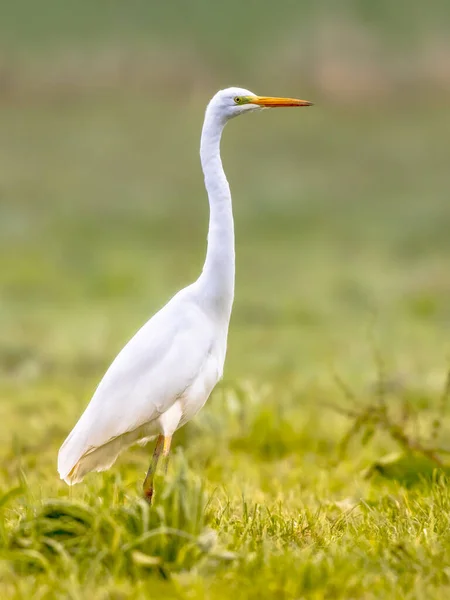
237,100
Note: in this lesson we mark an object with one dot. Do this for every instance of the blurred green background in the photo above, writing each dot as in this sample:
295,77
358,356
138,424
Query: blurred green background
342,236
342,211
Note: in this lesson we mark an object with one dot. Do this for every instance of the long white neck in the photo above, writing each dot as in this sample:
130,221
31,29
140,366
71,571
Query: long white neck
217,278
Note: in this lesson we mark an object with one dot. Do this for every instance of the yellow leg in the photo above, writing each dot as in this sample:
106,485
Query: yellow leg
148,482
165,452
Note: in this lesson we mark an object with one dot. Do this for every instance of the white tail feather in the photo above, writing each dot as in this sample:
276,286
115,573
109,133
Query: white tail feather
74,464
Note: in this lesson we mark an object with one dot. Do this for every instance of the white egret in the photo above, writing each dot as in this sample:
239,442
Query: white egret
166,372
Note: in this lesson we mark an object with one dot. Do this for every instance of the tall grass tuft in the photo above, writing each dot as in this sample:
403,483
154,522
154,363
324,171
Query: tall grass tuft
114,533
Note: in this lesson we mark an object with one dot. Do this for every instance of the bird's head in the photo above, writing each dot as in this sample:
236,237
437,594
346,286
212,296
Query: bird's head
235,101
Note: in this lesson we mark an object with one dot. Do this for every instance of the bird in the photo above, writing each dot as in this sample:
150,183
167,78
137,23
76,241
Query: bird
164,375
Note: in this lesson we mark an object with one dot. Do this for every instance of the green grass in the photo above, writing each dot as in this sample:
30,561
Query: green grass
312,470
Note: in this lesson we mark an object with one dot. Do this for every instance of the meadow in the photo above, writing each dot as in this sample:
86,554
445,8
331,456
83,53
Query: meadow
318,468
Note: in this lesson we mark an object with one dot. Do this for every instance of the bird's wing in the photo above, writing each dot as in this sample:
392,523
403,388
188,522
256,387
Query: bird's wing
146,378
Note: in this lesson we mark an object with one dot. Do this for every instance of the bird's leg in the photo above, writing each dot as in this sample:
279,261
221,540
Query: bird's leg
165,452
148,482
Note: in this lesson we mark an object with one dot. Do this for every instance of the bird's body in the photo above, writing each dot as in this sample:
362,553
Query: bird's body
166,372
158,382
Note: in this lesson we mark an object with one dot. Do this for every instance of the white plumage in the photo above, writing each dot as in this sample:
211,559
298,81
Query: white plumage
166,372
175,359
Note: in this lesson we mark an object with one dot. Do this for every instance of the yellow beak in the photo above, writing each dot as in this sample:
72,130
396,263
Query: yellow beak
269,102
